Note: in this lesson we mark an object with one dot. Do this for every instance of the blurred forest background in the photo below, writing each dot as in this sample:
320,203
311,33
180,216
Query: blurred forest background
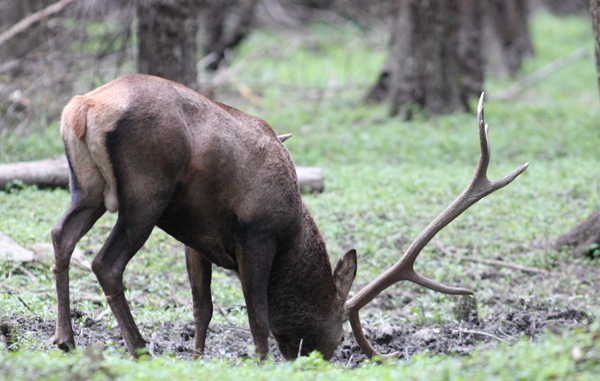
438,50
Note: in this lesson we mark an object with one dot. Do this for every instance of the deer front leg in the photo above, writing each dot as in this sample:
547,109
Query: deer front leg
255,257
200,274
83,212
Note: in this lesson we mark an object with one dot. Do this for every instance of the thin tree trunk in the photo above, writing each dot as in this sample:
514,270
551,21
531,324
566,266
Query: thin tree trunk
588,232
595,13
506,35
471,63
167,39
219,40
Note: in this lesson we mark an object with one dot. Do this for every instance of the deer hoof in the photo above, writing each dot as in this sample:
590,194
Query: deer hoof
65,344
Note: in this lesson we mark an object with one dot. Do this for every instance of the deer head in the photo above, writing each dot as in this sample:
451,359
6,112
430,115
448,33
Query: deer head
221,182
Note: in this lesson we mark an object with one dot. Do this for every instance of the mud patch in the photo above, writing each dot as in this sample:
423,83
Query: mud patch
460,338
405,339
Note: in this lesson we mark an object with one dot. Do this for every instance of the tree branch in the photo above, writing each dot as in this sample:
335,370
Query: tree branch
22,25
516,89
492,262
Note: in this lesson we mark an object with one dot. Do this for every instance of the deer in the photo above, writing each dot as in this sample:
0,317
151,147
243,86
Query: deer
221,182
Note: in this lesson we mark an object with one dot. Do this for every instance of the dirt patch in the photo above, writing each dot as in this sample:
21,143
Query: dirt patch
406,339
460,338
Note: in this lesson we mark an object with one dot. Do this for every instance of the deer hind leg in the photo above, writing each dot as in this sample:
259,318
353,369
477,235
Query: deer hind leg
255,257
200,272
133,227
83,212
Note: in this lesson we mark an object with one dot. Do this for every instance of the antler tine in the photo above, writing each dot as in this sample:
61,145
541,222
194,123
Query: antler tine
478,188
283,138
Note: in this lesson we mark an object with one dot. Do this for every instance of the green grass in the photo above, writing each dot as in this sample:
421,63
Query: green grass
570,356
385,180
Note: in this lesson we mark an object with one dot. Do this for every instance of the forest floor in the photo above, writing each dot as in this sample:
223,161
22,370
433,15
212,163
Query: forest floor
229,341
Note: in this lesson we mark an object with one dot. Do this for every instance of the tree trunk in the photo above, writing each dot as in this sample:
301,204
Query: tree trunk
583,236
220,39
470,49
167,39
434,60
566,7
506,35
595,13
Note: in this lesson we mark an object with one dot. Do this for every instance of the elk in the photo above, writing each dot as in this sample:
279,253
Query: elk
222,183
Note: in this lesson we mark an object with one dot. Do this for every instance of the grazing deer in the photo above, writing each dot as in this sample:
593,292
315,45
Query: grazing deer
221,182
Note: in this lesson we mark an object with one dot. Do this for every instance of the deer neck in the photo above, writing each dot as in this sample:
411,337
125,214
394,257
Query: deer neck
301,281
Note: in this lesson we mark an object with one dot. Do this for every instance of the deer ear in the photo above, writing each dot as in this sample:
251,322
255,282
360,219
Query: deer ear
344,274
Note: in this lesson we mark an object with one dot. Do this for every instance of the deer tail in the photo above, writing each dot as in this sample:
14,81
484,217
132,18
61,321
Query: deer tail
74,117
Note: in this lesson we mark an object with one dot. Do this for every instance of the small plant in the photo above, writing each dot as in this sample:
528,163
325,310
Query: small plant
594,251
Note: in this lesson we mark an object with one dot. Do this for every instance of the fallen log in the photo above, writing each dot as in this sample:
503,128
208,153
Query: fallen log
48,173
54,173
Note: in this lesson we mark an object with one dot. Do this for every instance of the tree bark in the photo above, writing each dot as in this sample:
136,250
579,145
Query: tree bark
566,7
167,39
595,13
434,59
506,35
54,173
471,61
219,39
583,236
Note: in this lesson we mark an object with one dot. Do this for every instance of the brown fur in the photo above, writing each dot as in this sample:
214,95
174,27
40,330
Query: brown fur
218,180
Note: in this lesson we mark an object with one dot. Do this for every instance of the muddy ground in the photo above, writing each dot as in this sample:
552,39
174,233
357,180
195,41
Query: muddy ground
224,341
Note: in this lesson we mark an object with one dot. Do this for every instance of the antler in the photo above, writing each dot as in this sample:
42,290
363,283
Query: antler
478,188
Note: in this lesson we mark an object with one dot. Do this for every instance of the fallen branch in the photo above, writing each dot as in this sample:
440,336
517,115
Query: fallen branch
25,304
54,173
493,262
28,273
8,278
11,290
537,76
102,314
22,25
482,334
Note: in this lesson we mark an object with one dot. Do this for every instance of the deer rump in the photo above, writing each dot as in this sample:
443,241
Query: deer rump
216,179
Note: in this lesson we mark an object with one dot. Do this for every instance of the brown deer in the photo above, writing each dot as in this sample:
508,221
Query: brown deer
221,182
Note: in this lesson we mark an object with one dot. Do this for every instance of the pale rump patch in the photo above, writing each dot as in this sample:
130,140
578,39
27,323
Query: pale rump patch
85,122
